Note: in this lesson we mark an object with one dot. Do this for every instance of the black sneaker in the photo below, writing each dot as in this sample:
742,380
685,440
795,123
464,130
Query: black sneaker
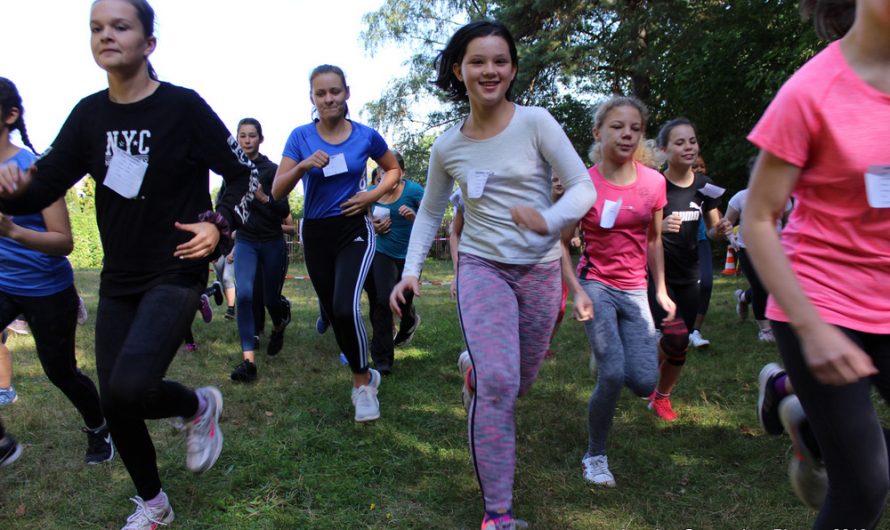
244,372
286,320
217,293
99,446
10,450
768,400
276,338
230,313
403,337
383,368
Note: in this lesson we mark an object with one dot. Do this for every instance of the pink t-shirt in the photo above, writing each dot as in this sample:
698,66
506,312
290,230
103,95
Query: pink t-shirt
831,124
617,256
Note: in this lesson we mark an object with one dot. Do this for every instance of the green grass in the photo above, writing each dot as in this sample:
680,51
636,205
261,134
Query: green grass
294,458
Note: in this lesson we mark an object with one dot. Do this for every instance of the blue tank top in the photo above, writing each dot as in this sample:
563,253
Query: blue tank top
26,272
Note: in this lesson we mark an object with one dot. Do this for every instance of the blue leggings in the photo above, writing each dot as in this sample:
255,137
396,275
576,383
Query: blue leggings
270,258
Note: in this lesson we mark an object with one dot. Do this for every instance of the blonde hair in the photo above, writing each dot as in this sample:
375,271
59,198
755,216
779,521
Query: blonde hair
595,154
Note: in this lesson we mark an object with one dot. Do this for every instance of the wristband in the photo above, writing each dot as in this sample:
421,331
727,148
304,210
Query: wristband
217,220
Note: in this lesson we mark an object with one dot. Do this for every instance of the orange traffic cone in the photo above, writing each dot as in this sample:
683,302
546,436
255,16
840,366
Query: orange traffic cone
730,268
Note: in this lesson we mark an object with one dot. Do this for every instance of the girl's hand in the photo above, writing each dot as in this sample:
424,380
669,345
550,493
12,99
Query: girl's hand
724,227
357,204
582,306
407,213
397,297
7,227
200,246
833,358
454,287
382,226
317,159
260,195
671,224
529,218
13,180
667,304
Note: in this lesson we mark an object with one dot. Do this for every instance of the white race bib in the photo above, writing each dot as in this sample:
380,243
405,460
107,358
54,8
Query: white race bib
125,173
476,182
877,186
336,165
380,212
610,213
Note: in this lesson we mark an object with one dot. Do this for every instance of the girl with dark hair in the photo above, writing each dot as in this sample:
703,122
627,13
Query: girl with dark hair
260,252
508,283
149,146
690,198
622,237
705,269
36,280
824,140
330,155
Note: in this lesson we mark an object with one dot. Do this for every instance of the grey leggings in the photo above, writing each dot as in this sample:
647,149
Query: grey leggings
622,337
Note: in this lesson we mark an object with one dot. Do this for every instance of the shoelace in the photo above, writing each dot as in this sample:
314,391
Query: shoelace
142,513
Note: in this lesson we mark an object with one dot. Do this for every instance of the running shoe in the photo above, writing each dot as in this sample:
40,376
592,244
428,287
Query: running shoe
596,471
206,312
99,446
10,450
8,396
147,518
321,325
697,340
244,372
809,479
190,347
403,338
230,313
741,306
768,399
204,439
662,408
766,335
217,289
367,407
343,360
549,354
82,315
464,366
18,326
504,522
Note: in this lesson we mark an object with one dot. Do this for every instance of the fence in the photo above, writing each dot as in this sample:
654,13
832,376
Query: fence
440,248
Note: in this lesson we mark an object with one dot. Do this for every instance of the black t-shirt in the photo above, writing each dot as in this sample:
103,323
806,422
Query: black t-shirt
181,138
264,223
681,248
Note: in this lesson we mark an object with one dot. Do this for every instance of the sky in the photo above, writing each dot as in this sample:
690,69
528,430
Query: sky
244,57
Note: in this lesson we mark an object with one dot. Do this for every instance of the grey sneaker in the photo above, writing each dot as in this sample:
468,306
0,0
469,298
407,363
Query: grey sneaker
204,439
741,307
809,479
145,518
596,471
464,363
768,400
82,315
367,407
10,450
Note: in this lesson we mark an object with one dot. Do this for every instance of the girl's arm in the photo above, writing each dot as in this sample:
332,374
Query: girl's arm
360,202
56,241
832,357
582,306
655,260
717,227
457,226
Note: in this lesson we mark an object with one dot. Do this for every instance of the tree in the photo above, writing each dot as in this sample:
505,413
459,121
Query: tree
718,62
81,203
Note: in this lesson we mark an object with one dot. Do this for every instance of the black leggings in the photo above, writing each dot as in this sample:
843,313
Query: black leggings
338,252
757,294
686,299
848,430
136,339
385,274
706,272
53,320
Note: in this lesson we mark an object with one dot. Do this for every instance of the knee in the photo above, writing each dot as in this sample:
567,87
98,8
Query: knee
344,315
643,385
609,381
674,346
128,396
498,387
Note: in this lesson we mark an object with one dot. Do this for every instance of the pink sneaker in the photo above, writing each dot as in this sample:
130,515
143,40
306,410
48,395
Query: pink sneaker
662,408
191,347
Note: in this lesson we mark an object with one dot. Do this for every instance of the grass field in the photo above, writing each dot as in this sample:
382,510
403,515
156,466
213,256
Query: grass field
294,458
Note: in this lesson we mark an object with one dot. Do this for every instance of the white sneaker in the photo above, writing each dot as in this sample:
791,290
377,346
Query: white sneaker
82,315
145,518
464,363
807,473
697,340
367,407
204,439
766,335
596,471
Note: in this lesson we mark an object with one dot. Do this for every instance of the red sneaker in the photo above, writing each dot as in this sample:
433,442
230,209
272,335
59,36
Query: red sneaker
662,408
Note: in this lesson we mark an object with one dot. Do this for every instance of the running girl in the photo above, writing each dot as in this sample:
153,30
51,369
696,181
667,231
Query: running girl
824,140
688,201
329,155
149,146
502,156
